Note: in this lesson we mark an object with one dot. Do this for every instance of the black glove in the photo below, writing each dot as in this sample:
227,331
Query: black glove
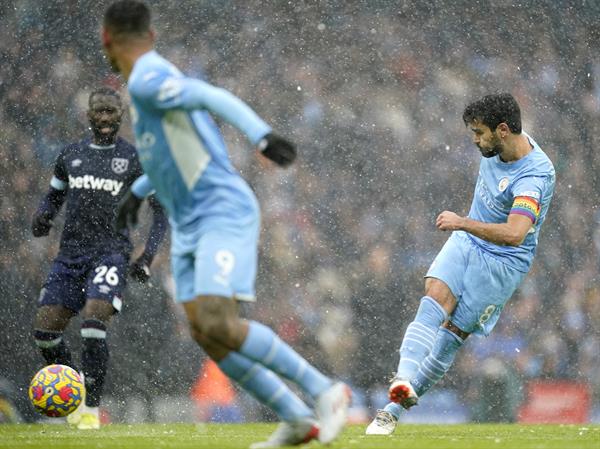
277,149
140,269
41,224
127,211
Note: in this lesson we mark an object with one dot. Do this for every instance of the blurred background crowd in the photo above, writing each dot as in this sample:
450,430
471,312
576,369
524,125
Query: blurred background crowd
372,92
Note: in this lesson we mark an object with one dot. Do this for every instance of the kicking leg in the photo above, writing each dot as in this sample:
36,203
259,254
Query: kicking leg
264,346
417,344
437,363
419,339
420,334
433,368
331,399
259,345
216,327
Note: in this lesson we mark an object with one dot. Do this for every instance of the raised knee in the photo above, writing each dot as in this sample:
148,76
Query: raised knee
441,293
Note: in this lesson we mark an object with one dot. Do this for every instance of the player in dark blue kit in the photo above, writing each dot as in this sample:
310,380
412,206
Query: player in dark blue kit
89,274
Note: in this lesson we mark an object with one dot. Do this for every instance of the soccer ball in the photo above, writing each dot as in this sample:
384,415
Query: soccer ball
56,390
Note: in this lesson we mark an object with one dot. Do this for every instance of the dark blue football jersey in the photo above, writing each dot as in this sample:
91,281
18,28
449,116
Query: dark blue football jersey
96,178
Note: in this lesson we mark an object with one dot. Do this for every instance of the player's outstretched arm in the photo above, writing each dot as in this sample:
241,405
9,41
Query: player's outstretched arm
47,210
172,92
140,269
197,94
188,93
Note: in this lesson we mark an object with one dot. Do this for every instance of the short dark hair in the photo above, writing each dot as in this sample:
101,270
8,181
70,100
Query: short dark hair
127,17
492,110
104,90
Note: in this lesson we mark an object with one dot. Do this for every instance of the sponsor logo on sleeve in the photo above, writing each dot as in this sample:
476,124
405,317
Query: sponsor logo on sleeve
530,193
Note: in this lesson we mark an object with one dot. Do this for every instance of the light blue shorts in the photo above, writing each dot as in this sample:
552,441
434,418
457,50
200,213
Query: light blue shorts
481,283
220,262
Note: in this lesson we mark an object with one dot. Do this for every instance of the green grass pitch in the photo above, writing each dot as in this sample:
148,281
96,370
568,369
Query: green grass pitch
234,436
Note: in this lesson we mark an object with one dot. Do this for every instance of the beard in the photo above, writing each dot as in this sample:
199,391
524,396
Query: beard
495,149
490,152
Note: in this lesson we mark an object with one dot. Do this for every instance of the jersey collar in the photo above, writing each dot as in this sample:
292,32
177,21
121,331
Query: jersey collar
101,147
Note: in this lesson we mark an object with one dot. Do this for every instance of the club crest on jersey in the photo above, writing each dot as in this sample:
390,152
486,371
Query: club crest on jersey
503,184
75,163
119,165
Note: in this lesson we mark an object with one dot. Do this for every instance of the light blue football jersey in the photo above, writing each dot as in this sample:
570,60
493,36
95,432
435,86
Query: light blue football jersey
182,151
498,184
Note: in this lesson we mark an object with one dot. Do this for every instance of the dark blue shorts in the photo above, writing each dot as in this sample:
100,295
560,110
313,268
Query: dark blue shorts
73,280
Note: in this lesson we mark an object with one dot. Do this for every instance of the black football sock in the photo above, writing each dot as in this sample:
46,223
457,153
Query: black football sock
94,359
53,347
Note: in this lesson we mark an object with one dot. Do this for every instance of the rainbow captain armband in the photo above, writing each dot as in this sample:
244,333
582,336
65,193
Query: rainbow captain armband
527,206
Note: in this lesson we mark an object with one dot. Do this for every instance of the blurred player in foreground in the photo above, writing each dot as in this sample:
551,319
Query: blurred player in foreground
90,272
216,223
485,259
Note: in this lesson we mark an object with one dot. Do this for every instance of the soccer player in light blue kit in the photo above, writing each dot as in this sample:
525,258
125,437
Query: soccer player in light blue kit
485,259
215,224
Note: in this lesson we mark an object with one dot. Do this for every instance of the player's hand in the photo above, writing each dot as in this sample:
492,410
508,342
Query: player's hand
140,269
449,221
277,149
127,211
41,224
